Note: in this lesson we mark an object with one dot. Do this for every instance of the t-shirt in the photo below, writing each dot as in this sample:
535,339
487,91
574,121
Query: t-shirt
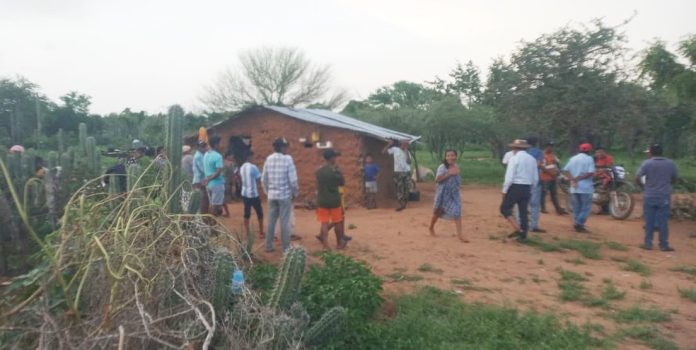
659,173
329,179
198,168
580,164
212,161
249,174
187,166
605,162
371,171
400,157
550,169
506,157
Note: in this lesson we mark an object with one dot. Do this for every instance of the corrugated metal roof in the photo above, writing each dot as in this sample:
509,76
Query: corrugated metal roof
328,118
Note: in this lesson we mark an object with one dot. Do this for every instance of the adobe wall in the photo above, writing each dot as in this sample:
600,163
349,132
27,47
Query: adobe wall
264,126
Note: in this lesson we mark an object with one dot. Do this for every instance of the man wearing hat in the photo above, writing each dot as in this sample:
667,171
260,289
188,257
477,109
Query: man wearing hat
580,170
521,175
660,174
329,208
279,180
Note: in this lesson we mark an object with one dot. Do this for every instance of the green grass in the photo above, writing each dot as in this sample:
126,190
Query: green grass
400,276
436,319
690,270
645,284
429,268
637,314
650,337
616,246
637,267
589,250
571,286
611,293
576,261
465,284
571,276
689,293
540,244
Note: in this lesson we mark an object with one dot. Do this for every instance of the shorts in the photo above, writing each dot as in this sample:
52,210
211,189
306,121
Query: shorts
216,194
256,204
330,215
370,186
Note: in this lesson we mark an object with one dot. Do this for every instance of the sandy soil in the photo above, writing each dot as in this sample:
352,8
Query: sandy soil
504,272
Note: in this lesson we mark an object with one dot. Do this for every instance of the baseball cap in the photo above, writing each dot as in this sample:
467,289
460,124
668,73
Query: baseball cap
330,153
586,147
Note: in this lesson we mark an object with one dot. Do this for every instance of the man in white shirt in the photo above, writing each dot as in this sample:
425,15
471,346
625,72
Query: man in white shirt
521,175
402,169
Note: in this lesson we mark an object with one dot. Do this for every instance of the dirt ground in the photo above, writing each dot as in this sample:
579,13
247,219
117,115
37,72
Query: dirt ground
504,272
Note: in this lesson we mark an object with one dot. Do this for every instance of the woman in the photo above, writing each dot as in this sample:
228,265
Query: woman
448,202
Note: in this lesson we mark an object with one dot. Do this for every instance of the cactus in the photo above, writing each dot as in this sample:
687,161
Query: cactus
82,133
327,326
92,157
52,160
61,143
133,172
287,286
224,266
66,161
175,122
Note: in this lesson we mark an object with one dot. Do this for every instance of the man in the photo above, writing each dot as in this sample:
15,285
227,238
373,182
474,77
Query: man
250,174
548,176
402,169
198,174
330,209
187,162
521,175
603,164
279,180
660,174
214,180
535,199
580,170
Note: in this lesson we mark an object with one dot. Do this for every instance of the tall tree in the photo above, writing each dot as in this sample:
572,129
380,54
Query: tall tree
269,76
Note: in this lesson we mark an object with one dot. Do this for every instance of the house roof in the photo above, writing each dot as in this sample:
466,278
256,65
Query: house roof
328,118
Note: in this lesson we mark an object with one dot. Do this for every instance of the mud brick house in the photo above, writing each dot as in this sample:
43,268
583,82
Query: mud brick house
309,131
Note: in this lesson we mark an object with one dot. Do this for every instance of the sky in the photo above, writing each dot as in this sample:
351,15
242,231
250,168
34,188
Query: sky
150,54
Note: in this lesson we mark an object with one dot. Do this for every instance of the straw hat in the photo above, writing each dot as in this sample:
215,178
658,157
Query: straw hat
519,143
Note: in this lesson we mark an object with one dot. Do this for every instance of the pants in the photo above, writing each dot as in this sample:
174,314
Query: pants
582,205
517,194
656,212
255,203
552,189
402,181
279,209
535,205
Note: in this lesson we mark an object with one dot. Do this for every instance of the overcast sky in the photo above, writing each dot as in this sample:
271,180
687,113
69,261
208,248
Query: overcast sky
149,54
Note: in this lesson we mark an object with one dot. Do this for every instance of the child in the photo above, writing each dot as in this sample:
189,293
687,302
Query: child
250,194
370,171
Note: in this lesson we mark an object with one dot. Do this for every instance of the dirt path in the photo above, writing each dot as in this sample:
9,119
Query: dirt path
494,270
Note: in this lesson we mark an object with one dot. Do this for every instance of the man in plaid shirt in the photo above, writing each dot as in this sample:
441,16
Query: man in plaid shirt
279,180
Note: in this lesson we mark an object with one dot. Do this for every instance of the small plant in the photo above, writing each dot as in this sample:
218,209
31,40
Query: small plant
616,246
571,276
649,336
619,258
261,277
398,277
645,284
589,250
576,261
352,226
636,314
689,270
466,284
429,268
611,293
570,286
493,237
637,267
688,294
540,244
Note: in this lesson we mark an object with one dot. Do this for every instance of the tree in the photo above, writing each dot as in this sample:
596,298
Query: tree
269,76
403,94
466,84
20,103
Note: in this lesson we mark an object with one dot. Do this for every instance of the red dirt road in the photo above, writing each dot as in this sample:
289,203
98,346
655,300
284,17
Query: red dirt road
504,272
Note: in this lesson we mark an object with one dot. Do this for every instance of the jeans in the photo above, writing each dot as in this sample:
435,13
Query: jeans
656,214
279,209
535,206
550,187
582,205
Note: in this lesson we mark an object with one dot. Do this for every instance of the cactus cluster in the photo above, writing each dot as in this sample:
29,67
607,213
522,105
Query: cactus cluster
174,137
287,285
224,266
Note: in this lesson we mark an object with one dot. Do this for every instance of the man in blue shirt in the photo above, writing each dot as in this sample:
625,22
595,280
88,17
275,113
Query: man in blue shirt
660,174
370,170
535,199
214,180
580,170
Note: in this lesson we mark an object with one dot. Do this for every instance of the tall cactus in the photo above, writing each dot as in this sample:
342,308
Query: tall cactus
224,267
133,172
326,328
92,157
175,121
52,159
287,286
82,133
66,162
61,141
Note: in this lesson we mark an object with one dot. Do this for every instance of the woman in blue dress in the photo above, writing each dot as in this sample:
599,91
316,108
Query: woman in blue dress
448,202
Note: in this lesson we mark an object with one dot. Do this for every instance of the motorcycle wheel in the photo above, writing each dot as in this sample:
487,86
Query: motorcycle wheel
622,207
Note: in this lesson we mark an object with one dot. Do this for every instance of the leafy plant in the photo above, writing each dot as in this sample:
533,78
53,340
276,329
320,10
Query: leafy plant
636,314
689,294
689,270
637,267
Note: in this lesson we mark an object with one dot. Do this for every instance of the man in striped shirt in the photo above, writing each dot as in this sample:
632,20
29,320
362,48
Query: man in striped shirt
250,194
279,180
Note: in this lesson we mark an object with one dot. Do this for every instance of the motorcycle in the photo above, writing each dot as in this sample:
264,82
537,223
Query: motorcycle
616,195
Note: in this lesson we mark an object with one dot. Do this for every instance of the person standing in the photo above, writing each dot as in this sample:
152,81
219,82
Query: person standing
535,199
329,207
202,205
548,179
370,171
402,170
448,201
214,179
660,174
279,180
580,170
187,162
250,175
521,175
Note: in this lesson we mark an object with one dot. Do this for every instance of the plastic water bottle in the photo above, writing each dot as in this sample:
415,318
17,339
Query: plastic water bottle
237,281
